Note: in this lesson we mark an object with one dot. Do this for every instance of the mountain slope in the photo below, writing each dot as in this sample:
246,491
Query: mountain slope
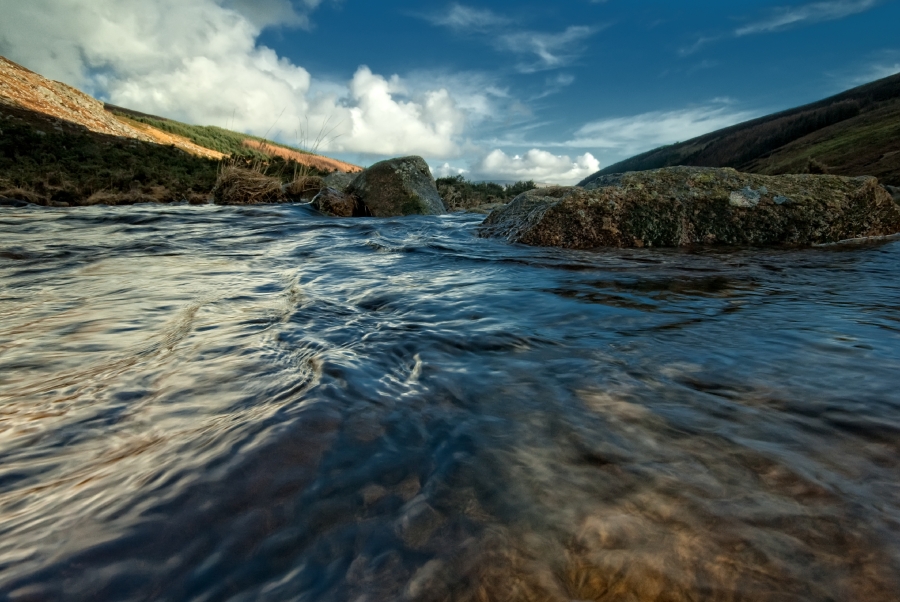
853,133
60,147
25,90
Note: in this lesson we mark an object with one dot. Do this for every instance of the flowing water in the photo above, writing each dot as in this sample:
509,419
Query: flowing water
211,403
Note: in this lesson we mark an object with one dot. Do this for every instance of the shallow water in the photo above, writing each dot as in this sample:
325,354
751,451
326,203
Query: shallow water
210,403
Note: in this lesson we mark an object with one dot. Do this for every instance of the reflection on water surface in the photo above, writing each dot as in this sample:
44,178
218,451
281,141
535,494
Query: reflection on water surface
207,403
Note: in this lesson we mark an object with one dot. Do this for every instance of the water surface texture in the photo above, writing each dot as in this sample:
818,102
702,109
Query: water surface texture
213,403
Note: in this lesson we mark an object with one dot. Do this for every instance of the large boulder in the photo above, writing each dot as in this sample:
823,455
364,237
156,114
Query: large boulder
394,187
679,206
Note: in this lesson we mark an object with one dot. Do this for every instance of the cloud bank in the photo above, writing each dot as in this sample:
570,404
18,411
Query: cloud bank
537,165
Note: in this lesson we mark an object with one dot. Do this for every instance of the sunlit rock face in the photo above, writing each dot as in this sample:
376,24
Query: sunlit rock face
681,206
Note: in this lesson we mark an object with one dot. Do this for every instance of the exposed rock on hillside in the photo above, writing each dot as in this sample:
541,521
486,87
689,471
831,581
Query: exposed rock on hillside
402,186
681,206
25,89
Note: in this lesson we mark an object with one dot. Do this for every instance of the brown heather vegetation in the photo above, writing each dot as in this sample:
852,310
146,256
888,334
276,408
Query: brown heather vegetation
318,162
242,186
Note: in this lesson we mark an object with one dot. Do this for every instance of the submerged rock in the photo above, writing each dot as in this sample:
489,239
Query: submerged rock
402,186
679,206
7,202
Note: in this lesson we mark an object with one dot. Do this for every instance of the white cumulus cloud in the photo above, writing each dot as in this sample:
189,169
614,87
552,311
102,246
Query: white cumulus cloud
200,61
538,165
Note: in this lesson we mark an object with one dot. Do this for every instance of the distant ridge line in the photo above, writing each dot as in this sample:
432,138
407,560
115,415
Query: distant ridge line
855,132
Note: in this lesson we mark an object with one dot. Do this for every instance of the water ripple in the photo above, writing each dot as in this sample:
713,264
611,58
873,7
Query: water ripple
241,403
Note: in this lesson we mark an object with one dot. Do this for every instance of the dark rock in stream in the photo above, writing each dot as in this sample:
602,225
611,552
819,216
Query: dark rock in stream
895,192
402,186
680,206
7,202
339,204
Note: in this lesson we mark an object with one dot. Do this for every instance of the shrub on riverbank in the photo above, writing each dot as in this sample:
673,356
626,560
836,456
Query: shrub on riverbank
460,194
241,186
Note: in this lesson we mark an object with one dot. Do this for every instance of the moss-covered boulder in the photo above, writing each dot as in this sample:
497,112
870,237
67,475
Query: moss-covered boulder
402,186
680,206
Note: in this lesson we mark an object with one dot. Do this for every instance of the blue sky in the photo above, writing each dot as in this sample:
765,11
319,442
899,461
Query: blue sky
495,89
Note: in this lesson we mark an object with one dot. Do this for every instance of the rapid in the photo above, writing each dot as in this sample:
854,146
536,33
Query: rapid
262,403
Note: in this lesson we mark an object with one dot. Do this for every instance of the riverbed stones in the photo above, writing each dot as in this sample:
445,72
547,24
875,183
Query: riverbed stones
401,186
681,206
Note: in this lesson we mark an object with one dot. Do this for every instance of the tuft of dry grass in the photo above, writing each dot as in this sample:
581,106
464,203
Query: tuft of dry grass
305,187
20,194
243,186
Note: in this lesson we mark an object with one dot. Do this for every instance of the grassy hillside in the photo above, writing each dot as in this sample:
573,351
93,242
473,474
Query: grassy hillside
207,136
51,162
854,133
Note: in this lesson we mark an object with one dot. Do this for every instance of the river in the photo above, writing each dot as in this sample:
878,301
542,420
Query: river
261,403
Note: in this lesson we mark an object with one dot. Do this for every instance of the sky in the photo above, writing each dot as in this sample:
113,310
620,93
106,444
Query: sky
494,89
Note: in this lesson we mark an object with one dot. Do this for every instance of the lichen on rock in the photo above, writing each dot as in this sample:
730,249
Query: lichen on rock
680,206
746,197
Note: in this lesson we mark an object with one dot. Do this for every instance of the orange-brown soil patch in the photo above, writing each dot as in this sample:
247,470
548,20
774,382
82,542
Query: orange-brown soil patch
316,161
24,89
167,139
21,88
